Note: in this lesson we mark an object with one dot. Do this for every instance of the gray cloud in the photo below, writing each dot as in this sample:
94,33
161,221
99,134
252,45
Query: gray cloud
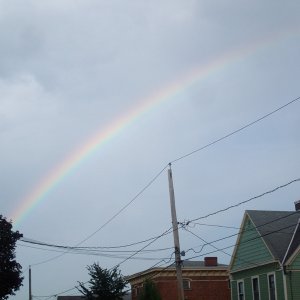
68,69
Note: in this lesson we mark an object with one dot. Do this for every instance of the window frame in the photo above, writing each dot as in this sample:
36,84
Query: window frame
258,285
189,284
238,289
275,289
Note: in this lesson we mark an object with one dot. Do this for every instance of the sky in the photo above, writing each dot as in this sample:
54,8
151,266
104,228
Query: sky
97,97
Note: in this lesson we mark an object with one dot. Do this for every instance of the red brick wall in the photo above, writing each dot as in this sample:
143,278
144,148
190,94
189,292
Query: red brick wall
201,288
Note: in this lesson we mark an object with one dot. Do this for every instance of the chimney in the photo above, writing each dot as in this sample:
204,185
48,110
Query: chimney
297,205
210,261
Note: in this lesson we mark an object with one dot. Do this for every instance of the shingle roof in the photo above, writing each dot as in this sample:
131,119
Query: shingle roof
276,228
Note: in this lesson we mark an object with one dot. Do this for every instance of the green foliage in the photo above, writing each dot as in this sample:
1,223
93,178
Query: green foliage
104,284
150,291
10,270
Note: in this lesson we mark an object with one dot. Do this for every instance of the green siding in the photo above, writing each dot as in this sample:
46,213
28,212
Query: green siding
263,286
293,278
260,272
279,285
251,249
234,290
295,265
293,285
248,288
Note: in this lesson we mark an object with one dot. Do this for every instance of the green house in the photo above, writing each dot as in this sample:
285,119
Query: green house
265,264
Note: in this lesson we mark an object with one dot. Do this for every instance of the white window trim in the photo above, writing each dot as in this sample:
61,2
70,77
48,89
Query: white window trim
268,274
238,294
253,277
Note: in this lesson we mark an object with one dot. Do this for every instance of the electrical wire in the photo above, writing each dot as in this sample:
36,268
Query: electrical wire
163,169
99,254
243,202
242,231
109,220
247,241
176,160
235,131
201,255
90,249
123,261
212,225
32,241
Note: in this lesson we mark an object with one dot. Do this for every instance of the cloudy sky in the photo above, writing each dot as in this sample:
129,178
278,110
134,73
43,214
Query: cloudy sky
148,82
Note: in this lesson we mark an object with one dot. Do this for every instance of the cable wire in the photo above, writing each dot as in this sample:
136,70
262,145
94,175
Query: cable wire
235,131
243,202
109,220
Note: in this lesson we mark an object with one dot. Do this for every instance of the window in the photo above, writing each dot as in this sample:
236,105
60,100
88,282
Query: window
255,288
241,292
272,286
186,284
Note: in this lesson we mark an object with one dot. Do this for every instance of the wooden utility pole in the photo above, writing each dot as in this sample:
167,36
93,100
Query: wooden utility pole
30,294
176,236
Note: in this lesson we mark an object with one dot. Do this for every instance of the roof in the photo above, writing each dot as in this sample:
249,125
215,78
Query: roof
186,265
277,229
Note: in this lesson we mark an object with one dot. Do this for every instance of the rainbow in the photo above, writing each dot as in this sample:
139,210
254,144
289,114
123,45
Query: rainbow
104,135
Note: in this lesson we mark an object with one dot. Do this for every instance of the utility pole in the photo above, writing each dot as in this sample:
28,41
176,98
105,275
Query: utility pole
176,236
30,294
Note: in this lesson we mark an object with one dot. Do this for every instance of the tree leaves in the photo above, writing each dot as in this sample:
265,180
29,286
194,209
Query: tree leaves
104,284
10,270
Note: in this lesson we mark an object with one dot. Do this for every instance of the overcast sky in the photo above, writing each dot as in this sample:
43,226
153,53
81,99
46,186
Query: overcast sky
70,69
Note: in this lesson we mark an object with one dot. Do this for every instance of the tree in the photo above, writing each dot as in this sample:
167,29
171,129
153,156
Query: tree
150,291
104,284
10,270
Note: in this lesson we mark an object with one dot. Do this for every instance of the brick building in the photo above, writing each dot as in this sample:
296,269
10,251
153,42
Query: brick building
202,280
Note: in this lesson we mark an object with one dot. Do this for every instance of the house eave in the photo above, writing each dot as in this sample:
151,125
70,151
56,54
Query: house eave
256,266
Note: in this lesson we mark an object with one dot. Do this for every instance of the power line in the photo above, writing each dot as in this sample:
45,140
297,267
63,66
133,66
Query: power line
99,254
218,249
32,241
246,230
109,220
235,131
123,261
243,202
161,171
180,158
222,249
214,225
237,244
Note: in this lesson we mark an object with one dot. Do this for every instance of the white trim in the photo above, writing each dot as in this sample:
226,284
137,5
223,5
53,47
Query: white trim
238,292
237,241
259,293
291,241
275,287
